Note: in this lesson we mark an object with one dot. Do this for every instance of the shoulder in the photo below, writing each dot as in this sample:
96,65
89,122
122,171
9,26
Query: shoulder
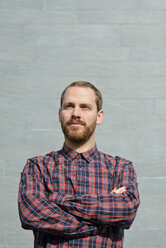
115,161
47,158
122,161
43,162
118,165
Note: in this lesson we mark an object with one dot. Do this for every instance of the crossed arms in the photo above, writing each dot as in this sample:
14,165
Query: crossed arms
76,215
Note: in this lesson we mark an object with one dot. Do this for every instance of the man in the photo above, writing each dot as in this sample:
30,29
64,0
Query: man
78,196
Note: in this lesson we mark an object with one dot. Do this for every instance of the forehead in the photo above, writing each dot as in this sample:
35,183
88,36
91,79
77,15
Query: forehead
80,94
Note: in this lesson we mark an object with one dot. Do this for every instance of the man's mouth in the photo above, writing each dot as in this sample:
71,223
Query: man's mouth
76,124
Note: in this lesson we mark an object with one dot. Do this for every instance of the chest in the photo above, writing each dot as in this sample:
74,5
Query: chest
81,177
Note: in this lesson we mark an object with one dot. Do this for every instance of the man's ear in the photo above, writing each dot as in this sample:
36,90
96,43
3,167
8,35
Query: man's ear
100,117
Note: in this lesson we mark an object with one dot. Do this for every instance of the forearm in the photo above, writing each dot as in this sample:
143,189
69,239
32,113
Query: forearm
37,212
105,209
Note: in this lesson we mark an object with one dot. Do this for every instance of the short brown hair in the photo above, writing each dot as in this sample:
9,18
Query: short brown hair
99,100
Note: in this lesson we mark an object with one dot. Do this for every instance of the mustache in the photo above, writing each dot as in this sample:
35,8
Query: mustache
75,121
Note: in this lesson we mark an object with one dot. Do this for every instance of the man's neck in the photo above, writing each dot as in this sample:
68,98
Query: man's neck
80,147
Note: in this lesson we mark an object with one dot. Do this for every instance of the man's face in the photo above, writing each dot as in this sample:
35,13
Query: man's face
78,114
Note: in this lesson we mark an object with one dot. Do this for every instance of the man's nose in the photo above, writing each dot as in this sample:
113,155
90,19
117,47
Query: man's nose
76,112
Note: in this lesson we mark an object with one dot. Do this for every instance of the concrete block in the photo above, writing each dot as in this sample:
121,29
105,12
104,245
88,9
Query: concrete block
72,35
152,203
143,36
43,83
3,209
128,87
150,220
80,69
19,4
28,91
57,17
2,237
144,238
83,53
19,238
160,106
135,121
128,106
148,4
38,17
16,86
145,54
2,168
97,4
84,69
10,216
152,166
7,67
144,69
2,194
17,54
11,35
127,16
60,5
31,110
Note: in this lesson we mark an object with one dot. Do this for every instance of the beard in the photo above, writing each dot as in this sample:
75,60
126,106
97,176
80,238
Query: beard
78,135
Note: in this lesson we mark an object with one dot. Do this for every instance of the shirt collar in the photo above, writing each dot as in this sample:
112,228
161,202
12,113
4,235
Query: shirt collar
72,154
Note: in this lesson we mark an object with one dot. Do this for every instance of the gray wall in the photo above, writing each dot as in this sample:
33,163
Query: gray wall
119,45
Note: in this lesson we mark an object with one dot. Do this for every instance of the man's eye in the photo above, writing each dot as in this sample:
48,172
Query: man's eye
69,106
85,107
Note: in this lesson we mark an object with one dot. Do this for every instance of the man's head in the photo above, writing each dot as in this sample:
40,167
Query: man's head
99,100
80,112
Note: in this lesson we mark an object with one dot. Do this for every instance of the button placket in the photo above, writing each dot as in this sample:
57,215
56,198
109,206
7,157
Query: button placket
81,174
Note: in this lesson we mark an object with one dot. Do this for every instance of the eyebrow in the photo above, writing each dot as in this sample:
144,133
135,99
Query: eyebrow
86,104
81,104
67,103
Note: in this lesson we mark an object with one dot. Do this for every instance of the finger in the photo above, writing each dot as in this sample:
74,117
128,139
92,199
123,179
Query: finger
114,190
119,190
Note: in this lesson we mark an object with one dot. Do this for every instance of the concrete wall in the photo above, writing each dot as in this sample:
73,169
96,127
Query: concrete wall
119,45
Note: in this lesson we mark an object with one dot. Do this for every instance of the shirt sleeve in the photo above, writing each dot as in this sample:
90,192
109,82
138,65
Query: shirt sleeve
38,213
108,209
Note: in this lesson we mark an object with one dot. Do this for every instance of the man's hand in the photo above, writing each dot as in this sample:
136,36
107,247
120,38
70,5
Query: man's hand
119,190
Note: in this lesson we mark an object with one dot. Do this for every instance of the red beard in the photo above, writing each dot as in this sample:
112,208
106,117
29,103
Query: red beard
78,135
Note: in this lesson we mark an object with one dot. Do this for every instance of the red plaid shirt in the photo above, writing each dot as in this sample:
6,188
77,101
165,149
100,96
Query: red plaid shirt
65,198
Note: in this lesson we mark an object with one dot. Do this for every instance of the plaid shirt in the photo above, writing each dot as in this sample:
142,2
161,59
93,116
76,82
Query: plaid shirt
65,198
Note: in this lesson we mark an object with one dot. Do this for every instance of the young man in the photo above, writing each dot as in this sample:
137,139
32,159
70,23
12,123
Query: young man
78,196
